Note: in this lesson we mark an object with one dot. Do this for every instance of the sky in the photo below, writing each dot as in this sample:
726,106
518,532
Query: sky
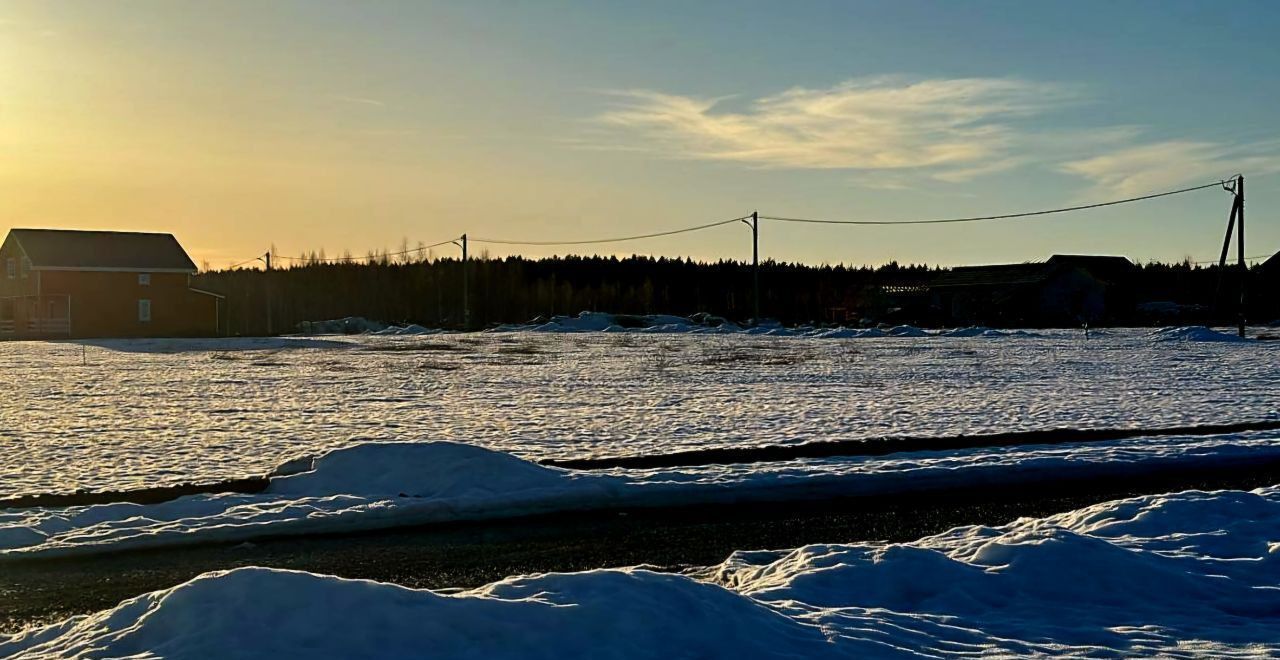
357,126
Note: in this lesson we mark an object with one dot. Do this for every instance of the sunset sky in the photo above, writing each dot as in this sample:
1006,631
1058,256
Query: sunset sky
359,125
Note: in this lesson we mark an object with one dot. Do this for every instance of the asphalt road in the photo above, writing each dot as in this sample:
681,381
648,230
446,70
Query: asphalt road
473,554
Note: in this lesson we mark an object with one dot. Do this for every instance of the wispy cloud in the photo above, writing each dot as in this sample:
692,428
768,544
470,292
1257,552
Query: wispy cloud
895,131
358,100
1138,169
954,128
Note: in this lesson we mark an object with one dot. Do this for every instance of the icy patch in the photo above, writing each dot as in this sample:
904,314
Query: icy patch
1194,333
1183,575
383,485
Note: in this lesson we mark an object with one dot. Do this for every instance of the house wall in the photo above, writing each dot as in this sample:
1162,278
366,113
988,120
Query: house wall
22,284
105,304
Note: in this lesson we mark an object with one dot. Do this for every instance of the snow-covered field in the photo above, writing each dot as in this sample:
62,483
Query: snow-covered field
1190,575
384,430
124,414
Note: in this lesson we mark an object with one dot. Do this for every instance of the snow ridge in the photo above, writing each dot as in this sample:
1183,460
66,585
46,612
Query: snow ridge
1190,574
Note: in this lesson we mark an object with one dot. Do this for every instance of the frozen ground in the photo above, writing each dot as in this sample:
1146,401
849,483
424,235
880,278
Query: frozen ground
1189,575
125,414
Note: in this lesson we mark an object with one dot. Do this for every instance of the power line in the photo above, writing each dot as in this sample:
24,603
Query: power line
992,217
620,239
246,261
354,259
1230,262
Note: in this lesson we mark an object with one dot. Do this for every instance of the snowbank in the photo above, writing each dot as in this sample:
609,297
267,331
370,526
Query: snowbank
368,486
1194,333
264,613
349,325
708,324
1184,575
378,486
358,325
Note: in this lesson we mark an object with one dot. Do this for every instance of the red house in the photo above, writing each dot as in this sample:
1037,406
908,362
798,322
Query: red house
63,283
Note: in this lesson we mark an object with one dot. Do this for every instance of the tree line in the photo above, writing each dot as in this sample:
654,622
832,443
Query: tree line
429,292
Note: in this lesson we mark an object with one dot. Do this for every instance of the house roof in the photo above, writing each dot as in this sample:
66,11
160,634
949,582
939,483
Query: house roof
1271,265
1000,274
1103,267
64,249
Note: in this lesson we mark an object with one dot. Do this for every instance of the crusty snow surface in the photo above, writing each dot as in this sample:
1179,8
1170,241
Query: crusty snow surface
124,414
1187,575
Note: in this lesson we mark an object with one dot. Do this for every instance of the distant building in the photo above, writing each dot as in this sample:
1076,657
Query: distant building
1265,297
1066,290
61,283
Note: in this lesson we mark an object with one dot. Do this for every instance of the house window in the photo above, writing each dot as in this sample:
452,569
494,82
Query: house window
144,279
26,267
144,310
13,267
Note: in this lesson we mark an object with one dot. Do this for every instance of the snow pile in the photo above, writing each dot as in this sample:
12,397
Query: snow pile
264,613
708,324
424,470
1190,574
412,329
378,486
1194,333
1183,575
350,325
979,331
358,325
368,486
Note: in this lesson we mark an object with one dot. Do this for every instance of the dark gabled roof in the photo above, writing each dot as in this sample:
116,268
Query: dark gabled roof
1101,266
1271,266
64,249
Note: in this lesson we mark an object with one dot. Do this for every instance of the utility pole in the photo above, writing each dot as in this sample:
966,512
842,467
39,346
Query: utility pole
267,258
755,265
466,307
1244,269
1235,221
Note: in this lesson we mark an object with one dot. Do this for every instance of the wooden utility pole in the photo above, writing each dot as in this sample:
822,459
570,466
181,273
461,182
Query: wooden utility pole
1235,222
466,306
1244,268
755,261
267,257
755,265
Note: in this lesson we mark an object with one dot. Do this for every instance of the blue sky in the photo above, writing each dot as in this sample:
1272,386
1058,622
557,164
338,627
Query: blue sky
362,125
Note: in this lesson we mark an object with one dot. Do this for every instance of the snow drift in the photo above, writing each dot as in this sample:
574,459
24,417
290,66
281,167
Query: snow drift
1191,574
1194,333
382,485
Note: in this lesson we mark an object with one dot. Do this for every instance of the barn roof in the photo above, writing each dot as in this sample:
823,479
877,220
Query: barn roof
65,249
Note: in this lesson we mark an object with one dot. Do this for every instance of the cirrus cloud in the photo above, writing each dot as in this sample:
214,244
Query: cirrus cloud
895,130
955,128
